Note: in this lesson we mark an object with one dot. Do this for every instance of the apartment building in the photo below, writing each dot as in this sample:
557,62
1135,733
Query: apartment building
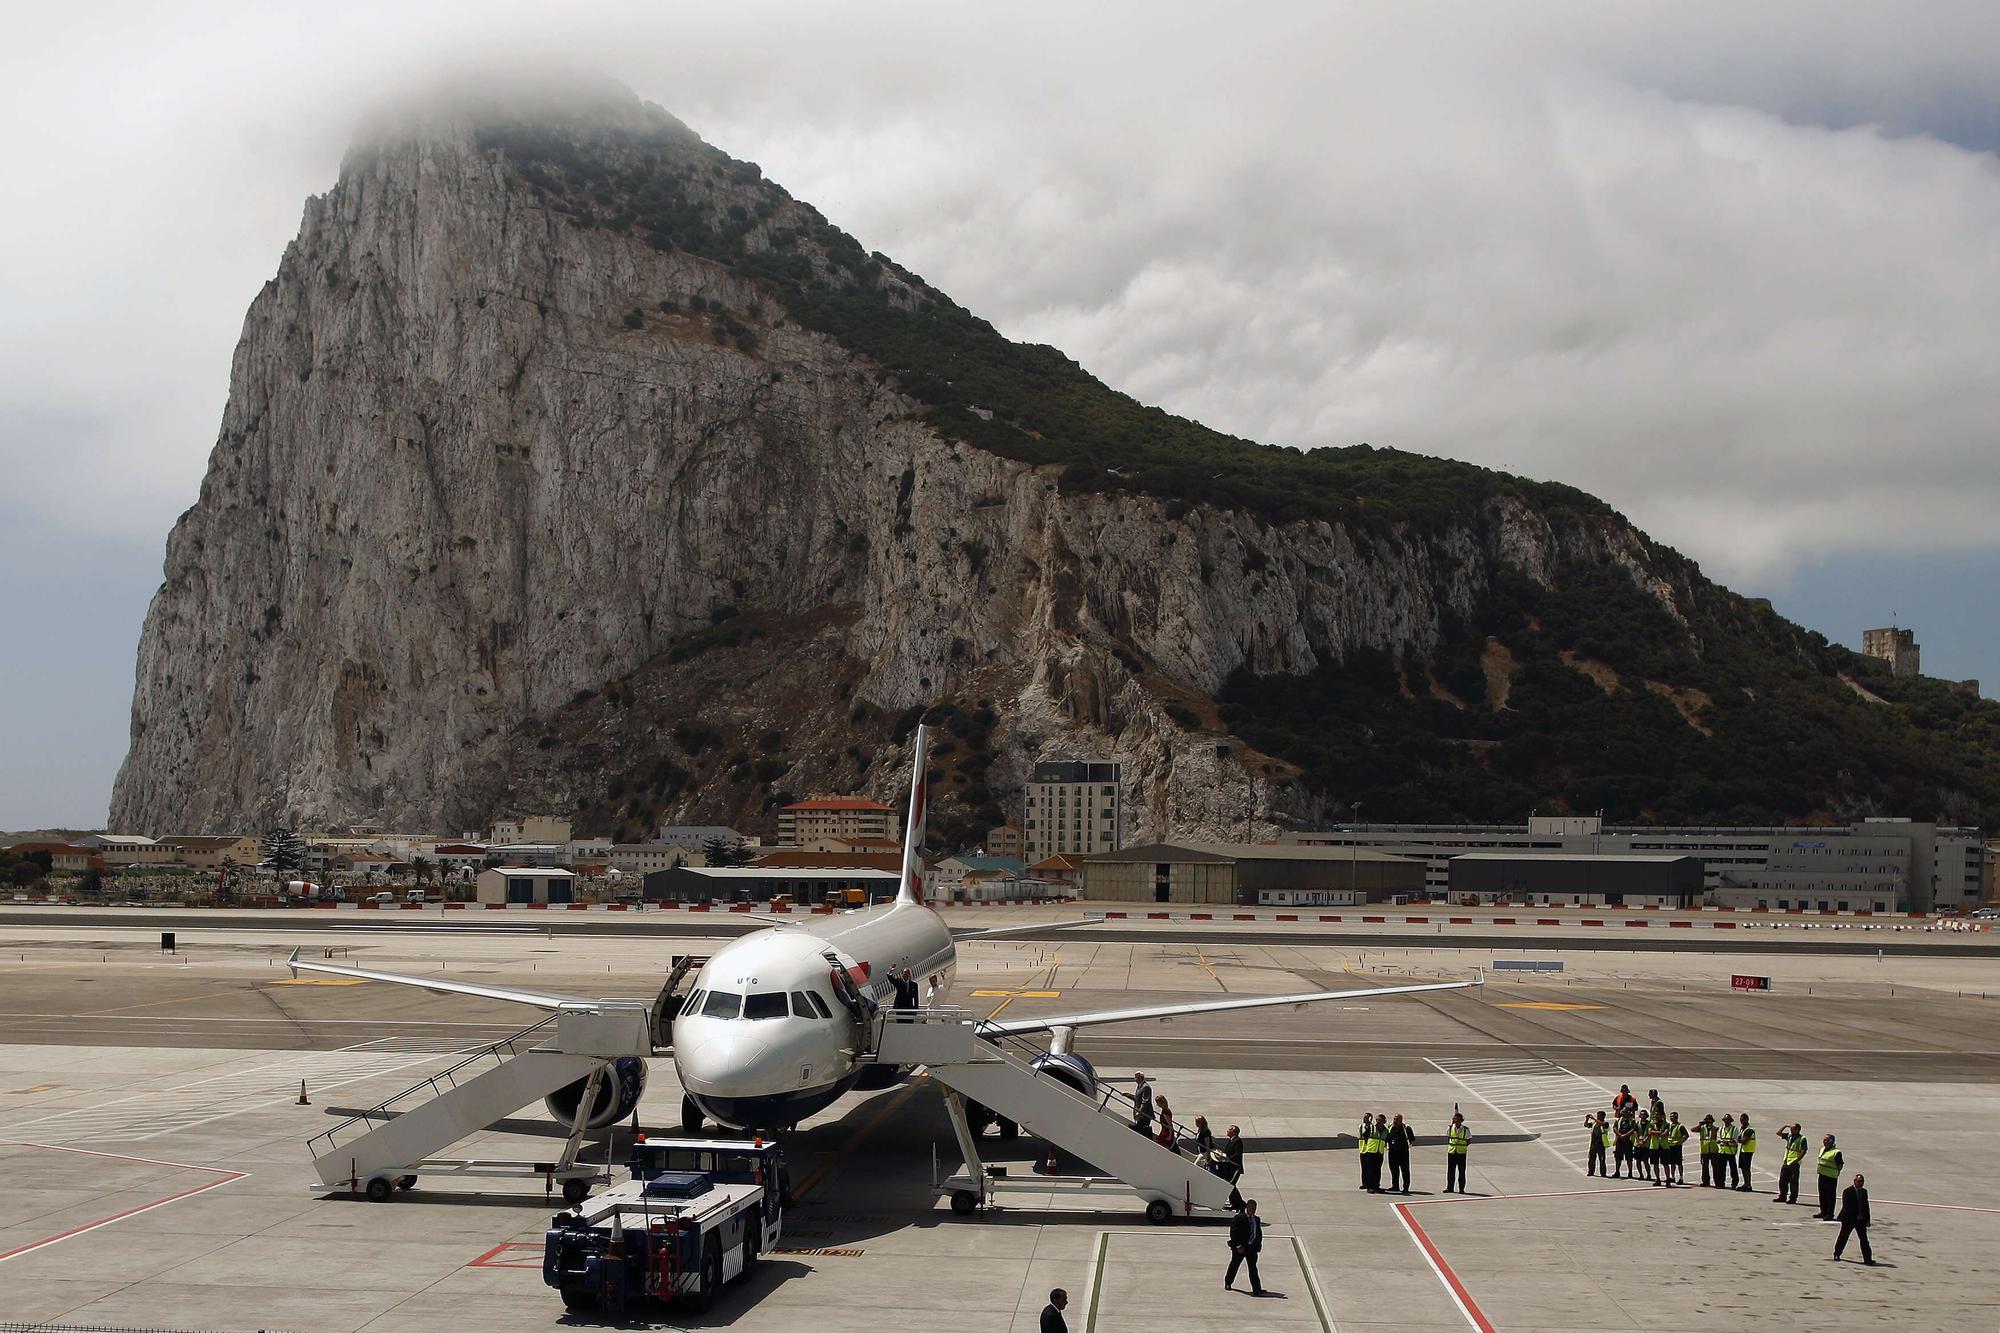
1072,808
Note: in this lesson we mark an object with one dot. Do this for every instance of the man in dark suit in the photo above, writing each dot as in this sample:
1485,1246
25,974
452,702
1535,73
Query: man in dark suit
1853,1220
1229,1164
1246,1238
1052,1313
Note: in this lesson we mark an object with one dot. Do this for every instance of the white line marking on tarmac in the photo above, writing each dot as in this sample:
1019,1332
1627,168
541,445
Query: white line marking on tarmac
1523,1091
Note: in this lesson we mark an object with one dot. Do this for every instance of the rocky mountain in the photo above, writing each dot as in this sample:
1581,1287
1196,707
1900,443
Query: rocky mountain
570,464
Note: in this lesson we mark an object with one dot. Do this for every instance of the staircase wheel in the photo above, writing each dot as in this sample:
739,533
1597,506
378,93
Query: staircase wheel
963,1202
1159,1212
575,1192
381,1189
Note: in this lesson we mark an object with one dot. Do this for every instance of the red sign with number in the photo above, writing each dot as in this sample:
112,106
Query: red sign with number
1741,982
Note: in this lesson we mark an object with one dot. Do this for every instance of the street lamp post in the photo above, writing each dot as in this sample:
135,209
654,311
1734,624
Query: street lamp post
1353,853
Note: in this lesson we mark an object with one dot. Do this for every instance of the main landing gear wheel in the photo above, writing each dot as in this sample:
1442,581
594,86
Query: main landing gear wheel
691,1116
405,1182
380,1189
1159,1212
575,1192
1009,1131
963,1202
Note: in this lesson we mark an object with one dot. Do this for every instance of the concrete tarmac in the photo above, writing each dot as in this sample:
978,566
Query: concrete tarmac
160,1091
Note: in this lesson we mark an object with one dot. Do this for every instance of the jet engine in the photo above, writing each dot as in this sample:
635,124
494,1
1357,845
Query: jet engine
618,1094
1071,1070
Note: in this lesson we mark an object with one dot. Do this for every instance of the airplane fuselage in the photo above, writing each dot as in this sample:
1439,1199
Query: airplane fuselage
766,1037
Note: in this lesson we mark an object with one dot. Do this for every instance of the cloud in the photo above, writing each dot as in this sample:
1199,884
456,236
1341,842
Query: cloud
1728,266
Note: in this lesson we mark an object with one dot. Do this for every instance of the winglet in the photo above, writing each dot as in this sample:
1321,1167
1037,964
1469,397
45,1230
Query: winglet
293,962
911,888
1478,974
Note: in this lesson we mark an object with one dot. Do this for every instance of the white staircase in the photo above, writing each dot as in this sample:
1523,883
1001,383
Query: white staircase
389,1144
948,1043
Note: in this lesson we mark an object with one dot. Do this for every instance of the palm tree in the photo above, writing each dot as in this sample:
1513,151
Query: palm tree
421,867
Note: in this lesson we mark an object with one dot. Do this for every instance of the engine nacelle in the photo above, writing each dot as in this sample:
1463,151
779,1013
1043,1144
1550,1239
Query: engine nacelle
1069,1069
618,1094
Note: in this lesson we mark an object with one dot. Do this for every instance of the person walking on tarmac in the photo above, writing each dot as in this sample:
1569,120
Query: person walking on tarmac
1854,1220
1601,1134
1399,1138
1706,1131
1788,1171
1677,1137
1725,1151
1746,1148
1457,1139
1830,1162
1246,1238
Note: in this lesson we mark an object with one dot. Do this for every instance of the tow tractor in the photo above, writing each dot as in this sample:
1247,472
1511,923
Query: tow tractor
696,1213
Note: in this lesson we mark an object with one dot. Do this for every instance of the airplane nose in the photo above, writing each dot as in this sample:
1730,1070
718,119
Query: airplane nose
724,1063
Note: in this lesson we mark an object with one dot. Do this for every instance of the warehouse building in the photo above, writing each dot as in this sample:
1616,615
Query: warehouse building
757,884
1573,879
1248,875
525,884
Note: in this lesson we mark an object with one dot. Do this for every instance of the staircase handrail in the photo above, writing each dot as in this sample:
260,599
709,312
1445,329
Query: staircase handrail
381,1108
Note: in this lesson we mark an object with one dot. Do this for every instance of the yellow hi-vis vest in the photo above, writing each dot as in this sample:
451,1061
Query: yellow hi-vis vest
1363,1137
1707,1140
1748,1142
1656,1136
1794,1150
1606,1134
1456,1140
1725,1139
1829,1162
1677,1134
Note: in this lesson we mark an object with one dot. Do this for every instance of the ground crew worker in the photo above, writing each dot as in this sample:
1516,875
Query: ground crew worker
1656,1146
1830,1162
1400,1137
1378,1143
1677,1137
1456,1140
1655,1105
1623,1158
1361,1140
1601,1134
1622,1104
1746,1148
1725,1151
1707,1131
1788,1172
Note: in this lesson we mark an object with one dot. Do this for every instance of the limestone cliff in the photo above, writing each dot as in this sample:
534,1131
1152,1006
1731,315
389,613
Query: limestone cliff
552,475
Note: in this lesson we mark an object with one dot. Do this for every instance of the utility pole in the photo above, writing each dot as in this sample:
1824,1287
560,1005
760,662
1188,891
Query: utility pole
1353,852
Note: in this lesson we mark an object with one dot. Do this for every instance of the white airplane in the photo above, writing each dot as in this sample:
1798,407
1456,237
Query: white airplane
771,1032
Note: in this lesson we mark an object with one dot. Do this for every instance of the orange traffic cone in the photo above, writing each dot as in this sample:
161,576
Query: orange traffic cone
303,1100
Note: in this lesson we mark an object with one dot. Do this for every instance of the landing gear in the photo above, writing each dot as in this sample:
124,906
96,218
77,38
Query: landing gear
1009,1131
692,1119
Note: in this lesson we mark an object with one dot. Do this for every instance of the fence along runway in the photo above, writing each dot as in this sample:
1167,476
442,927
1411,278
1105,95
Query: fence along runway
149,1115
1536,1096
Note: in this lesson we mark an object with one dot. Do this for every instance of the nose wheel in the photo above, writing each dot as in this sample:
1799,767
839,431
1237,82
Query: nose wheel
692,1119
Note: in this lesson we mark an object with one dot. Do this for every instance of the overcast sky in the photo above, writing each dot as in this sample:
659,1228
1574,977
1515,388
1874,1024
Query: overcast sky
1732,267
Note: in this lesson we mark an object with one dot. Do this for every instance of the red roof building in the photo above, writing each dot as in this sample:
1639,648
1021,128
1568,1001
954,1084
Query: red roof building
834,817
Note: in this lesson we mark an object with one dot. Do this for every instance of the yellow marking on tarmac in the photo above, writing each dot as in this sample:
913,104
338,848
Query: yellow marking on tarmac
1017,995
39,1087
800,1190
1545,1004
1202,957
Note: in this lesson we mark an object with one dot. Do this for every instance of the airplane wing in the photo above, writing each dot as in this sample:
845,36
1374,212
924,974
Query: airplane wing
440,986
995,932
1164,1013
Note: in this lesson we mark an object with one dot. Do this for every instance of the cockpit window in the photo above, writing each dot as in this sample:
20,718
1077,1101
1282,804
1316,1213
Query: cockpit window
765,1004
801,1006
819,1004
721,1004
692,1004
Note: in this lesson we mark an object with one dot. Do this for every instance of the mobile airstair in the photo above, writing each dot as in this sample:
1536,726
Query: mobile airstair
386,1147
1097,1130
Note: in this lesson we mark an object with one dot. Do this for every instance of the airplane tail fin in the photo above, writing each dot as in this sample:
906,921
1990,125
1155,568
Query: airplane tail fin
911,887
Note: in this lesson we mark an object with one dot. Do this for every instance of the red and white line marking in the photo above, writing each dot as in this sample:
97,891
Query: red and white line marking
225,1177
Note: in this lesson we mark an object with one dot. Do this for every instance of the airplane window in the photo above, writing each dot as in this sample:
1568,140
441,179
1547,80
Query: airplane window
692,1004
819,1004
765,1004
801,1006
721,1004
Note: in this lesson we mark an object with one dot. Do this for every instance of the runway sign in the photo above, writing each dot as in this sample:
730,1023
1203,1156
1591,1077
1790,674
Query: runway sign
1741,982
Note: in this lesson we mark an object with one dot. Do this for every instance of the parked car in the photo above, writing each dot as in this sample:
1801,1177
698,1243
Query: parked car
386,899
